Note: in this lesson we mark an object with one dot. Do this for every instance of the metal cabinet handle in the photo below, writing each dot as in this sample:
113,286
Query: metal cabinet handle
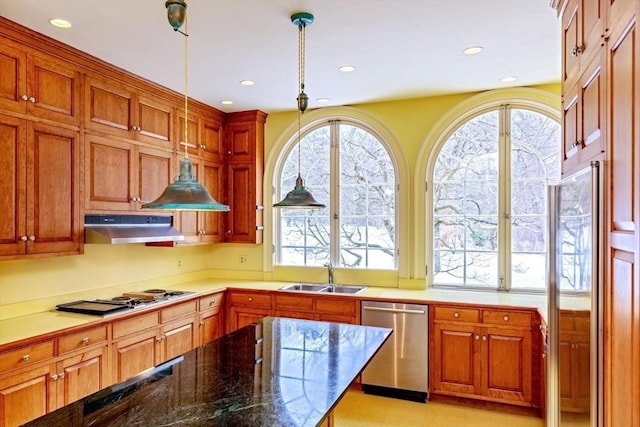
25,98
484,338
24,238
202,323
212,303
477,337
393,310
32,238
250,299
61,375
505,318
54,377
456,314
228,231
85,340
229,152
25,358
576,50
32,100
259,227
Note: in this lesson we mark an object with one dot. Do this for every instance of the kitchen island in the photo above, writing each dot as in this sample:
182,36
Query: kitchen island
277,372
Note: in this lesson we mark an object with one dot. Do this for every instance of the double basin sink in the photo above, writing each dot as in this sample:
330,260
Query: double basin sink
324,288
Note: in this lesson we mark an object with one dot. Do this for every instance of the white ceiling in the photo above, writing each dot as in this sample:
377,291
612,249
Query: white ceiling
401,48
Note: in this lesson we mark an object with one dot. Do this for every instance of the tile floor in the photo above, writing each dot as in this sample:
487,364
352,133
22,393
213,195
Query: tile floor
359,410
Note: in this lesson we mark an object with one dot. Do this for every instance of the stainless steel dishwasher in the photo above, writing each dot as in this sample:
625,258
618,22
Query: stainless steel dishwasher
400,368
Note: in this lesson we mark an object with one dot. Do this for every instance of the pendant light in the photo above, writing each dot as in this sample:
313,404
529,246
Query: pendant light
185,193
300,197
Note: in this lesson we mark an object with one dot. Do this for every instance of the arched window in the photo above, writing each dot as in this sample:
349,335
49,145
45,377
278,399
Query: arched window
349,168
489,199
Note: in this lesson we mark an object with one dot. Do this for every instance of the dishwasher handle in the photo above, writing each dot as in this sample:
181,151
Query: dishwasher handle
394,310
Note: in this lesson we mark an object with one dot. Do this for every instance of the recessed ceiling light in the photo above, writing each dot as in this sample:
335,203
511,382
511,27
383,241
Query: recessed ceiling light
322,100
508,79
226,102
347,68
247,82
473,50
60,23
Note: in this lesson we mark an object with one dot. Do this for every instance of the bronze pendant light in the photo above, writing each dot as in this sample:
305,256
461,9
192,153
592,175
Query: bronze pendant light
300,197
185,193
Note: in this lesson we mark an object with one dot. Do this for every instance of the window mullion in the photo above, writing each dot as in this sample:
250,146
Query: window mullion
504,201
334,192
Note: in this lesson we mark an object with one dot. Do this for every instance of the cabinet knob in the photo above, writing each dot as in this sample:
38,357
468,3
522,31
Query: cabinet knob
61,375
25,98
203,146
505,318
456,314
202,323
477,337
25,358
85,340
24,238
212,302
228,231
484,338
54,377
229,152
32,238
32,100
250,299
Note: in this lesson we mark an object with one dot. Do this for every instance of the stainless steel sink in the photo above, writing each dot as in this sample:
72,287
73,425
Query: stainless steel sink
344,289
324,288
304,287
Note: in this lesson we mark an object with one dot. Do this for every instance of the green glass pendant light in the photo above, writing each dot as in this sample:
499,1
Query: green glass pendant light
185,193
300,197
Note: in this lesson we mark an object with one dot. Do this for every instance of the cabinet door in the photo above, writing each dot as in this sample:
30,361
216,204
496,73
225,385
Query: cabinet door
241,144
193,135
455,366
211,140
109,174
177,338
571,130
26,396
212,223
210,327
241,221
581,360
243,316
565,386
571,41
13,84
53,88
134,354
155,171
84,374
53,191
108,107
622,271
13,185
508,358
153,121
592,100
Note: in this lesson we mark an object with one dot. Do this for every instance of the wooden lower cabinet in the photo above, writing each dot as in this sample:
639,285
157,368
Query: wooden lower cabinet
82,374
27,395
211,325
247,307
478,360
314,307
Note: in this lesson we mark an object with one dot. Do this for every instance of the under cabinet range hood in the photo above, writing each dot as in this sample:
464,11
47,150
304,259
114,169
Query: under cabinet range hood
119,229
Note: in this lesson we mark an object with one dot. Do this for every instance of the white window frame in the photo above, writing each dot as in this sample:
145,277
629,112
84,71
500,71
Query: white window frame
334,162
504,156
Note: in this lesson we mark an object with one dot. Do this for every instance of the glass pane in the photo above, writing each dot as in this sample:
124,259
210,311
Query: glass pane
528,197
481,233
482,269
529,234
538,134
481,197
528,270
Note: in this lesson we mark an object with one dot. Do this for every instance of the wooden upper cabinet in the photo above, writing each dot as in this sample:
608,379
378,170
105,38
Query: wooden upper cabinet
244,145
212,139
38,85
193,144
584,118
120,176
40,181
124,111
583,33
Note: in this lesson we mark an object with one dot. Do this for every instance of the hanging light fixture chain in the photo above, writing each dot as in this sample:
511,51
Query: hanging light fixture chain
301,55
186,87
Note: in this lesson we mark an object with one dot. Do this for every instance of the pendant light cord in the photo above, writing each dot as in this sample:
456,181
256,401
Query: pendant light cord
186,86
301,50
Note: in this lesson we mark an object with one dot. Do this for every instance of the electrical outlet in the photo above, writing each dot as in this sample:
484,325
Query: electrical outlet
179,263
243,259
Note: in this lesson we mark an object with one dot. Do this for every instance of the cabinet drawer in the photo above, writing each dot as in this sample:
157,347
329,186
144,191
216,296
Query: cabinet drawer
251,299
506,318
82,339
26,356
295,302
178,310
333,305
211,302
134,324
457,314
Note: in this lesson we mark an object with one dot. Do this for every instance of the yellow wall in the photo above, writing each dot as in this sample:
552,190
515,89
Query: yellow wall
407,123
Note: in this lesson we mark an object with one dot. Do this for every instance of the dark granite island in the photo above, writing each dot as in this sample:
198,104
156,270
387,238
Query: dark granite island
279,372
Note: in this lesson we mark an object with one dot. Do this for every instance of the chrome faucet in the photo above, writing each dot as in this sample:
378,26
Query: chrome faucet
330,271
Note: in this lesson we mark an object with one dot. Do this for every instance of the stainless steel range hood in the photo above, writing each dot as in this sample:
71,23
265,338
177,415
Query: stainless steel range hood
118,229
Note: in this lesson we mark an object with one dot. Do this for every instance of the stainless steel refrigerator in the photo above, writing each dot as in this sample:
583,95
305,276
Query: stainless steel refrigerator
574,361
